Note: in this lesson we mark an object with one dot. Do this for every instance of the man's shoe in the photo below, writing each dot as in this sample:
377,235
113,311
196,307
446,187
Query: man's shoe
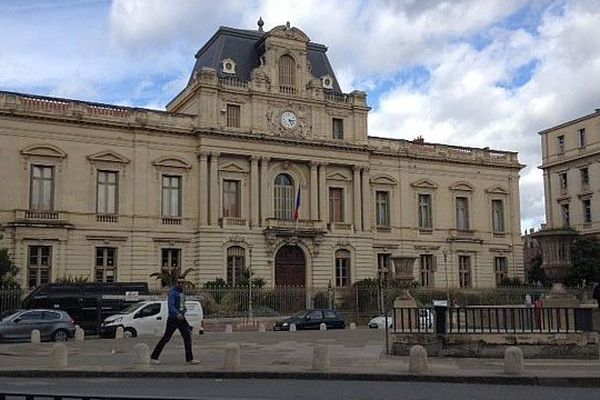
193,362
155,362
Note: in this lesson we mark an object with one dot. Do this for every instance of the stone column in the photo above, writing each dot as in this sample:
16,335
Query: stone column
254,200
214,188
203,190
366,199
357,202
264,191
314,192
323,200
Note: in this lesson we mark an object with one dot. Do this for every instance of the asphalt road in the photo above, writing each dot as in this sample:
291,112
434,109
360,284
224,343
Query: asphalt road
223,389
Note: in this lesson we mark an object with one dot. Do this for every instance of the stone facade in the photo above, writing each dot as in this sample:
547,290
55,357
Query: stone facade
110,192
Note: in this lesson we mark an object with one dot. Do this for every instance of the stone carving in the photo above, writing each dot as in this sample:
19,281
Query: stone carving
303,128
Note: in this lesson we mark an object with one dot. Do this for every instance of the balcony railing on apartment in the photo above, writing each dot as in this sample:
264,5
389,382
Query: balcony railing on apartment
233,82
171,220
233,221
112,218
274,223
46,215
288,90
340,226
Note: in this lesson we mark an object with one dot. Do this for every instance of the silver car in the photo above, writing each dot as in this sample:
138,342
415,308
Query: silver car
55,325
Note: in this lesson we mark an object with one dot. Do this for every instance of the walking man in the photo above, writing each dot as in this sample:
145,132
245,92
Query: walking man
176,320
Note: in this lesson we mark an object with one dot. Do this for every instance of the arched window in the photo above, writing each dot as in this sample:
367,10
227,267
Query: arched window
236,263
342,268
284,197
287,74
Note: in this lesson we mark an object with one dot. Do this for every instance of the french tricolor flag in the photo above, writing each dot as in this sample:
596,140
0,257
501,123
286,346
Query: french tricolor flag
297,209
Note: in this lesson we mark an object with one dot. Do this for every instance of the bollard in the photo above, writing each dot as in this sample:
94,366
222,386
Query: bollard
417,361
119,333
320,358
141,355
233,358
35,337
228,328
79,334
261,327
323,327
352,326
292,327
513,361
58,357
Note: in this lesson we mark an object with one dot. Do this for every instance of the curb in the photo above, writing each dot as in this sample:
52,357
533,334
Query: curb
339,376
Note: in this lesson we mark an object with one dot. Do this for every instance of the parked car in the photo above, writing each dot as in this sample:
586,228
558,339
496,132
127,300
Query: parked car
425,320
148,317
55,325
87,303
312,319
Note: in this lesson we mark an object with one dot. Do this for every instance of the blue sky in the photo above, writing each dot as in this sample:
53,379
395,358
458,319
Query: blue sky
466,72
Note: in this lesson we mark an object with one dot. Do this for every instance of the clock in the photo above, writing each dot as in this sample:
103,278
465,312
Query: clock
289,120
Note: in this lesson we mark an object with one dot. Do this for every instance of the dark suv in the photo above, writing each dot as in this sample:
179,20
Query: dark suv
87,303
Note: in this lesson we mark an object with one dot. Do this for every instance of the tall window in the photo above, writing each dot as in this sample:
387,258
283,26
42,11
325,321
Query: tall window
287,72
564,184
500,269
382,212
498,216
464,271
107,192
337,127
582,138
284,197
231,199
564,214
171,261
342,268
40,263
560,143
42,188
171,196
384,266
236,264
106,264
425,214
586,205
336,205
462,214
427,270
233,115
584,173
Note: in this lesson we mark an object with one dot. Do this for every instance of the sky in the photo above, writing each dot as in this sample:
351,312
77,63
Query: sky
477,73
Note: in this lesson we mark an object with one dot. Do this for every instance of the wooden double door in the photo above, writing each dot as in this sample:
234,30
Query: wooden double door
290,267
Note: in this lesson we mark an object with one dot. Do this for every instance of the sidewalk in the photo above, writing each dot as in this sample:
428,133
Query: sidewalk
354,354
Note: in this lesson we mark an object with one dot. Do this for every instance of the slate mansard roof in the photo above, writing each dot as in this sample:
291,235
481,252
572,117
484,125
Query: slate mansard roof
246,47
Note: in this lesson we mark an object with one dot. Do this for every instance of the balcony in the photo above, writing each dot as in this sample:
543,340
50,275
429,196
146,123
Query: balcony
340,226
40,217
283,89
171,220
110,218
301,224
44,215
233,222
383,228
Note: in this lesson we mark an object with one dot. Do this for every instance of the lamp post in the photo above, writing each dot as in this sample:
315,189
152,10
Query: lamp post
446,274
250,314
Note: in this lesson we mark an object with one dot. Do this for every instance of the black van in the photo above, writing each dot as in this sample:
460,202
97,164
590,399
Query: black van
87,303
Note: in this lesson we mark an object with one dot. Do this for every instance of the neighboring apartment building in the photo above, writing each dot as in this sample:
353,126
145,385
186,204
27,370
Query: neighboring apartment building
260,135
572,173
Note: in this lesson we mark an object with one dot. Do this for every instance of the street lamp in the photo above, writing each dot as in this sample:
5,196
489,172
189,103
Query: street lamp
446,273
250,314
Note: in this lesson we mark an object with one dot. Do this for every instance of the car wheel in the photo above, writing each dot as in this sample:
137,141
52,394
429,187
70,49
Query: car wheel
129,332
60,335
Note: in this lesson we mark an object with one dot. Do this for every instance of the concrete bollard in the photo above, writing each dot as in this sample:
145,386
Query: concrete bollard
141,355
119,333
79,334
261,327
323,327
352,326
417,360
233,358
59,356
513,361
35,337
320,358
228,328
292,327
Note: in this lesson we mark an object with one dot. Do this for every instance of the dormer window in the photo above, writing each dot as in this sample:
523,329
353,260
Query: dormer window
287,74
327,82
228,66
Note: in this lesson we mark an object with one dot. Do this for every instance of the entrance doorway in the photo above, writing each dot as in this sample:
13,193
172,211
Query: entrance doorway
290,267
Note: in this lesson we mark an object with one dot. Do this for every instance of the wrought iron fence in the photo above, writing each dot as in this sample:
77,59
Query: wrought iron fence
9,299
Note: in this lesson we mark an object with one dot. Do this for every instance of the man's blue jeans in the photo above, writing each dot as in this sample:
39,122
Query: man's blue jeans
173,323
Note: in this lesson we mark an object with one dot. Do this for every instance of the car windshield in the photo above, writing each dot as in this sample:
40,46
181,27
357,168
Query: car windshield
131,308
7,314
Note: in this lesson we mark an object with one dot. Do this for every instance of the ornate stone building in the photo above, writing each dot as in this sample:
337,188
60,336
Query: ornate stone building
260,135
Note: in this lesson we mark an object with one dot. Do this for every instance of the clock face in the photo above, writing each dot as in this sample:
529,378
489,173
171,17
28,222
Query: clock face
289,120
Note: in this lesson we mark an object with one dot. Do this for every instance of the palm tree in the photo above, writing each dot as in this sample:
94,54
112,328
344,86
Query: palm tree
168,278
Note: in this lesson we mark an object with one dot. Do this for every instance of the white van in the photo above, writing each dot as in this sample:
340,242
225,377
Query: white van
150,318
